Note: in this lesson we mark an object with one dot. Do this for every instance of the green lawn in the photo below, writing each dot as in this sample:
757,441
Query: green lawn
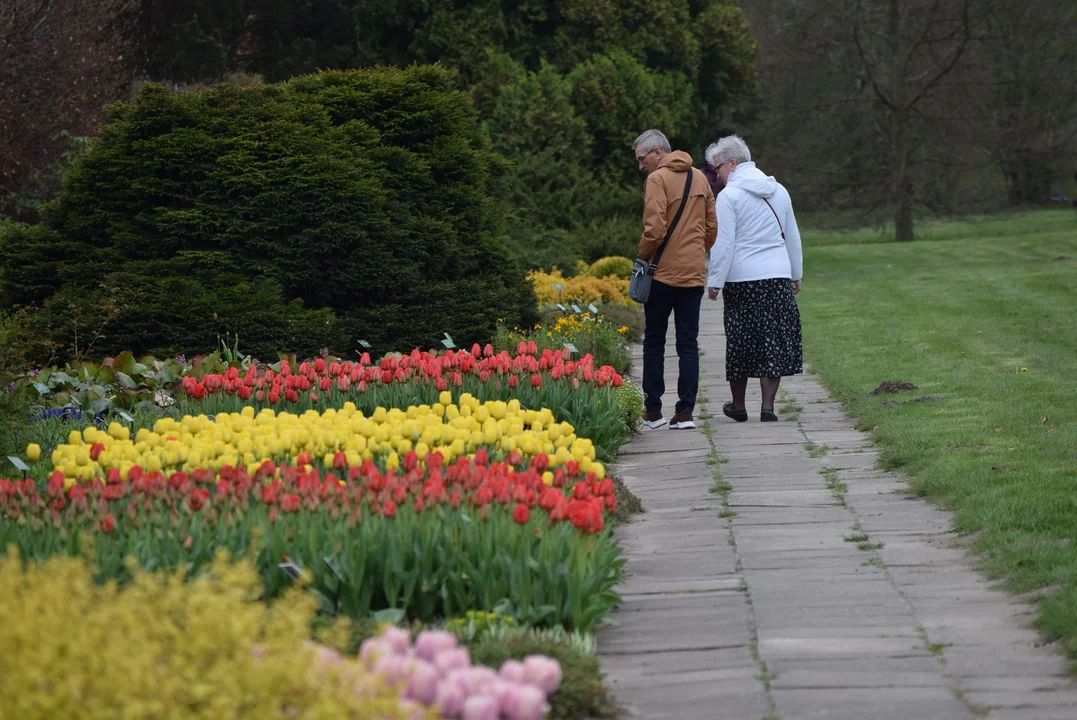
984,315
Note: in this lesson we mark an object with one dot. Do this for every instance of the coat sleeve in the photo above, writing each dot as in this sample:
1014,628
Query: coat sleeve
710,232
654,217
722,254
792,242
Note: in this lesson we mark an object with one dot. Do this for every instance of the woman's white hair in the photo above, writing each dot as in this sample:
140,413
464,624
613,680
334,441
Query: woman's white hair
728,148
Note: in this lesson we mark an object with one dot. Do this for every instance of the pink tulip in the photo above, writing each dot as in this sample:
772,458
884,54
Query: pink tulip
392,667
513,671
496,688
477,676
449,701
398,640
422,682
525,702
450,660
480,707
542,672
432,642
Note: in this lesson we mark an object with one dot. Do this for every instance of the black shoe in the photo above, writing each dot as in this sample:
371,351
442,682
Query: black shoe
738,415
767,416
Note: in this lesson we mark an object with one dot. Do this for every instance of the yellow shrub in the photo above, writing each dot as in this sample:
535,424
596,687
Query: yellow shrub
588,289
164,648
617,266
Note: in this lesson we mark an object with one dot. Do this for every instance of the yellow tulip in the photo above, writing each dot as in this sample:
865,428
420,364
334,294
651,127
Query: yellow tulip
33,452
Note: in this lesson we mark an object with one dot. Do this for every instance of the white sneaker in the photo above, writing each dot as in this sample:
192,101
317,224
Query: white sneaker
653,422
682,421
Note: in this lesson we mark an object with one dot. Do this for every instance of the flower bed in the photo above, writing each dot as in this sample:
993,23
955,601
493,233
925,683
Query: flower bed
372,532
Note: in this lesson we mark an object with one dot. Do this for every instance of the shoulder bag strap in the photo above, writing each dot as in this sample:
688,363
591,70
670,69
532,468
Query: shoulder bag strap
673,225
775,217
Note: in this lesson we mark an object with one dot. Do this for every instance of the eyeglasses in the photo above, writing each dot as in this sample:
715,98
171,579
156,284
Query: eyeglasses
719,167
639,158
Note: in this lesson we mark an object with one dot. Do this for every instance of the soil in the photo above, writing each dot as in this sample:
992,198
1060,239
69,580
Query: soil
889,387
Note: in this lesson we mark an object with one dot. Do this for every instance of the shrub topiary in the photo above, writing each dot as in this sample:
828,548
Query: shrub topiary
307,214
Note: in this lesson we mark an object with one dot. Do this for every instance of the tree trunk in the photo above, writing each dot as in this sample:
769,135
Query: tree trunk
901,188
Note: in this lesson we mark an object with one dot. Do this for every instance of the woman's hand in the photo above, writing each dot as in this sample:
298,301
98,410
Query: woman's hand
712,293
796,287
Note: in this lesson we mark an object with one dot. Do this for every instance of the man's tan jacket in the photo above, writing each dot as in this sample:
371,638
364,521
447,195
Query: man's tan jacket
683,262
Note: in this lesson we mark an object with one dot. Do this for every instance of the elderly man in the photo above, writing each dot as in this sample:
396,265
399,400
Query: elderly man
678,282
757,263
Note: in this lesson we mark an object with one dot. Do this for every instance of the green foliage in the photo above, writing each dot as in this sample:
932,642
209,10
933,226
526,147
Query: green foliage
563,87
303,215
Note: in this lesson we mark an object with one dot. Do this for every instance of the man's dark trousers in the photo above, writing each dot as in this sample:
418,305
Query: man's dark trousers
684,303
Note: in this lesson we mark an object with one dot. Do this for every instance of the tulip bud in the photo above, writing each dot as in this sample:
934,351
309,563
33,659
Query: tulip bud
422,682
542,672
512,671
481,707
432,642
525,702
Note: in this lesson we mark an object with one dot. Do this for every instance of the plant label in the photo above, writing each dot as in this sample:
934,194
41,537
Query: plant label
290,569
562,308
571,347
126,418
365,344
18,463
41,388
576,309
592,308
558,287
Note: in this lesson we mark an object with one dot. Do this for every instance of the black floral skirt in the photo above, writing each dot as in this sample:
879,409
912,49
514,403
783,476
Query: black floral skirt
762,328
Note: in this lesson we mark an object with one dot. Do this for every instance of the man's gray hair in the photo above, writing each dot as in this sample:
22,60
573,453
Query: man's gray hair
728,148
650,140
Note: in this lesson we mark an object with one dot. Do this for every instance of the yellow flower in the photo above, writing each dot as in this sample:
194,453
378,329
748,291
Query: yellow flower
33,452
623,329
233,439
1024,369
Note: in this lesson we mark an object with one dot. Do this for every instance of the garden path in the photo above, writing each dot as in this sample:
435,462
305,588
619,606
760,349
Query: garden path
810,586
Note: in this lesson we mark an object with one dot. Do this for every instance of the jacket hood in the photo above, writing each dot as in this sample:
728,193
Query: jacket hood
751,179
677,161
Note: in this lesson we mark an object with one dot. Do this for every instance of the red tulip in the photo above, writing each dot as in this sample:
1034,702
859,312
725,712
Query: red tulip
514,382
291,396
387,377
108,525
521,514
389,510
244,393
536,381
289,503
325,384
314,397
319,366
260,395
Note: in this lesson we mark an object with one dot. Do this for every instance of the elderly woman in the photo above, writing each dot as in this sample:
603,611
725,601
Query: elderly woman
757,262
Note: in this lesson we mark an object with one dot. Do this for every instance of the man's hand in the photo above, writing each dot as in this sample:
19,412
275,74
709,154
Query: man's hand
712,293
796,287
